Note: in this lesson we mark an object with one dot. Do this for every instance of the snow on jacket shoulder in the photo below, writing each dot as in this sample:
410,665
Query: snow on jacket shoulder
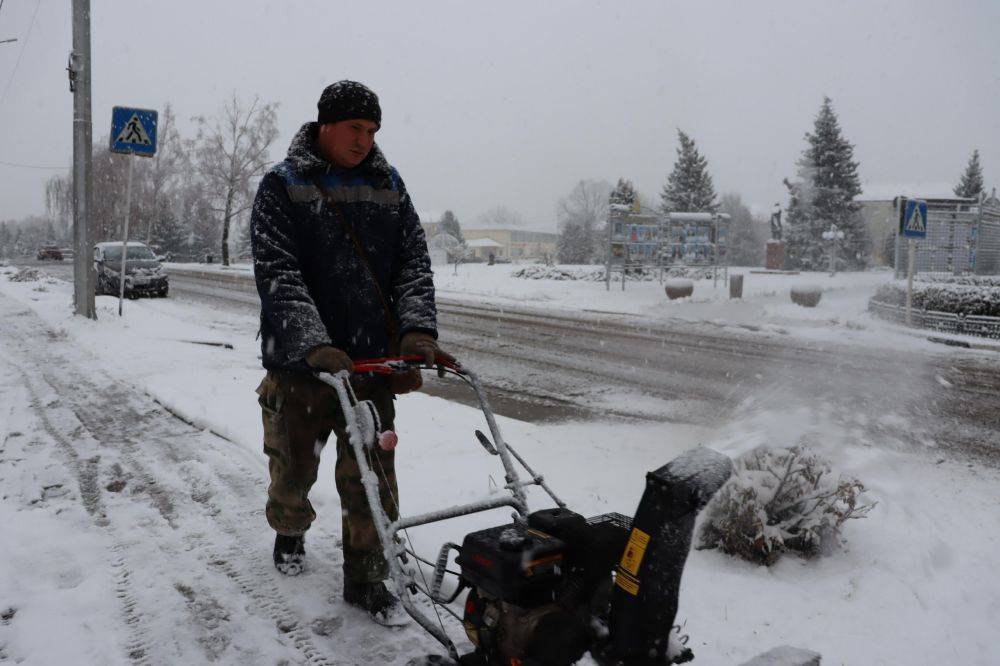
314,288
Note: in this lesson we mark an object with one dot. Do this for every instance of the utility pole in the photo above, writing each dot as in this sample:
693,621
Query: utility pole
79,85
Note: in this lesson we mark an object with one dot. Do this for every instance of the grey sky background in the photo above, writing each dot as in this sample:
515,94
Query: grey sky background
513,102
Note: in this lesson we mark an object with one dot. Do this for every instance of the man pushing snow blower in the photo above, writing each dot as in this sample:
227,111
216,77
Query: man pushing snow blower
342,269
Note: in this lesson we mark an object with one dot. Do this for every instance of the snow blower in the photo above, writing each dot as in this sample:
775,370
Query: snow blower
551,585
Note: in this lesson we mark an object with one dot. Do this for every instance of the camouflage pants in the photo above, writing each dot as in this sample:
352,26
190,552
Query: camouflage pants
299,414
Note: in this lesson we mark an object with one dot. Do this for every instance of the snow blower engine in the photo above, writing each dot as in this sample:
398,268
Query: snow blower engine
551,585
547,592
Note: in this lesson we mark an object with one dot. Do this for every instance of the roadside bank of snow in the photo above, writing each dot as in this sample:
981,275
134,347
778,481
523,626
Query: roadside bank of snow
915,585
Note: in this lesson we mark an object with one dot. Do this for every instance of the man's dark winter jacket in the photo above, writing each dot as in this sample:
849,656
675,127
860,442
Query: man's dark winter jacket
314,288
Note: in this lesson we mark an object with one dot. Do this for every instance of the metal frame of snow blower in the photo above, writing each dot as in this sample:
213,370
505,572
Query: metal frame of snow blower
404,579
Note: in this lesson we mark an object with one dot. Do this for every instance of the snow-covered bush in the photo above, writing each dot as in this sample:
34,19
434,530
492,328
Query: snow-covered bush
780,500
967,295
588,274
536,272
25,274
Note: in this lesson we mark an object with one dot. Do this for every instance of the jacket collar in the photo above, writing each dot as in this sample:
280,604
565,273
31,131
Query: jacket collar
305,159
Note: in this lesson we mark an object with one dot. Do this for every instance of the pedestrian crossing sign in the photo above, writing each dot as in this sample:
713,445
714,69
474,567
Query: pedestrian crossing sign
133,131
913,221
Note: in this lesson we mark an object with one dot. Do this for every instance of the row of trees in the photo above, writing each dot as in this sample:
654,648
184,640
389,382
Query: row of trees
822,195
187,200
583,213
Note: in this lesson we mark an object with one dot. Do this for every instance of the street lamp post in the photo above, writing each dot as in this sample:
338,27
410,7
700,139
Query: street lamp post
833,236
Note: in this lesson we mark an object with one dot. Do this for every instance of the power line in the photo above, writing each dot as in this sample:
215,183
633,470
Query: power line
33,166
24,46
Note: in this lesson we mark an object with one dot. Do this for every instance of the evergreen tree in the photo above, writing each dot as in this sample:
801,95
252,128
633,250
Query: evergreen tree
168,235
689,187
745,243
971,185
450,225
823,195
575,244
624,194
5,240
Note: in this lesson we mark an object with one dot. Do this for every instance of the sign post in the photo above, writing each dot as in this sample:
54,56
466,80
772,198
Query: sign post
912,225
133,132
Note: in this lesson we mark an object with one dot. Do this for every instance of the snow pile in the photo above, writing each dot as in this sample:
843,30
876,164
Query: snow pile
958,295
780,500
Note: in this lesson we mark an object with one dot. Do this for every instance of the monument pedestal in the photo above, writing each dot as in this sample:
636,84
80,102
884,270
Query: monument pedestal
775,257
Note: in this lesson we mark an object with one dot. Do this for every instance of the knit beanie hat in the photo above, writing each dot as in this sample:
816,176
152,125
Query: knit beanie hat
347,100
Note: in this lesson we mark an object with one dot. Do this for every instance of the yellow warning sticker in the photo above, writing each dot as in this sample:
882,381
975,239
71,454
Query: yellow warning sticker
627,583
636,548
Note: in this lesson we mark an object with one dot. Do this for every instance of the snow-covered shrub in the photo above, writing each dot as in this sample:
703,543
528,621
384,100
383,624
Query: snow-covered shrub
967,295
536,272
780,500
588,274
806,295
25,274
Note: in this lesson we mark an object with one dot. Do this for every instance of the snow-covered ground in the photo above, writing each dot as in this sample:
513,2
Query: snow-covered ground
916,583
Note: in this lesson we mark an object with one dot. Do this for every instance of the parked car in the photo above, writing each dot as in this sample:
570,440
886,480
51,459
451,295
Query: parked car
144,276
50,252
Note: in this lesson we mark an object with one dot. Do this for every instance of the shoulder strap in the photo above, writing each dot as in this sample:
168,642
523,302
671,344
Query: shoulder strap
391,325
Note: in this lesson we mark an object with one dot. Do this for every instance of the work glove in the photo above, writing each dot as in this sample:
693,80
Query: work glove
328,358
417,343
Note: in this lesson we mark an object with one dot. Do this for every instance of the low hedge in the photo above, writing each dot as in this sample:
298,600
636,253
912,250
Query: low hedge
973,295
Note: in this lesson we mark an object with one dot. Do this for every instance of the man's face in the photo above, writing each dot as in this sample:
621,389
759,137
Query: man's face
348,142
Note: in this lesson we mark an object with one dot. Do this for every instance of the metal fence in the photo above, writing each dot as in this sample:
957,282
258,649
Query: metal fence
944,322
963,237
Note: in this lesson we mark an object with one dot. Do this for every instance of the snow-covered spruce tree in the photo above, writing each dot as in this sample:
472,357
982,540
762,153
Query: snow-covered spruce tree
168,234
624,193
575,244
823,195
780,500
971,184
689,187
450,225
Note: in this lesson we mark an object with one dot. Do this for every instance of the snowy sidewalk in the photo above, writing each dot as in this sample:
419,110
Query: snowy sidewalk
114,510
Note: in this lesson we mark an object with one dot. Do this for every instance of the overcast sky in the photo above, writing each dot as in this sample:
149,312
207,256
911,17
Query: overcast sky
512,103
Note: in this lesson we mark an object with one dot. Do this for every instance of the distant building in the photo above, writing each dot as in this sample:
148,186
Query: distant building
515,244
430,228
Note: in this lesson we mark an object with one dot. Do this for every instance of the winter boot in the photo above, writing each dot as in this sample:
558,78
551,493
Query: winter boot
381,604
289,554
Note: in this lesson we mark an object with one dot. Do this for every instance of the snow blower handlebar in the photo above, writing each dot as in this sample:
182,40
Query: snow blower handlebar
394,364
405,580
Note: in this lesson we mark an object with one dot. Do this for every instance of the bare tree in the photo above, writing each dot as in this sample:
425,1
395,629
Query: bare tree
232,153
501,217
59,202
582,214
164,169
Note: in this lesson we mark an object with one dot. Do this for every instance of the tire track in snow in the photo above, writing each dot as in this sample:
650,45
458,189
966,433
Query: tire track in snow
86,471
129,427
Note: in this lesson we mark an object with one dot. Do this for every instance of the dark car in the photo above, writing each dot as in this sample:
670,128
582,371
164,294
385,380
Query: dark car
50,252
144,276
